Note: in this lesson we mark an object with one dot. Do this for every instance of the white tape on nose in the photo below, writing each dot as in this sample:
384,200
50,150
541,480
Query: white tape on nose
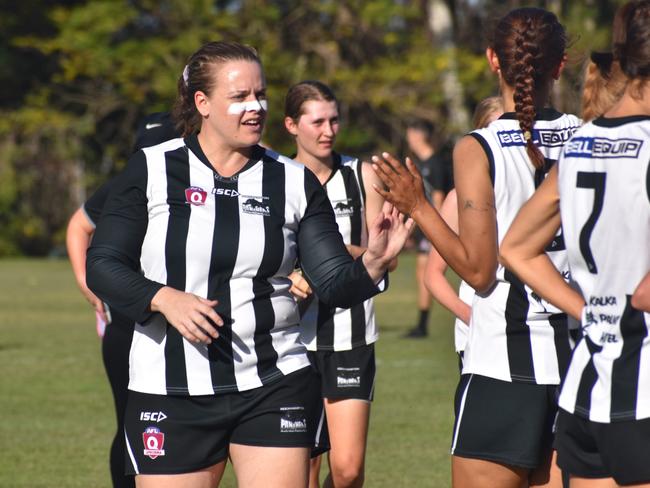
252,106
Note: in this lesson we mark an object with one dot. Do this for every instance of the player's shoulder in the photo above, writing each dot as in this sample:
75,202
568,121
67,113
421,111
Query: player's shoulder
271,156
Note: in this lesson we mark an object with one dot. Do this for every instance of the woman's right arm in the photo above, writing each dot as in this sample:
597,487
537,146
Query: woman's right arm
113,263
434,275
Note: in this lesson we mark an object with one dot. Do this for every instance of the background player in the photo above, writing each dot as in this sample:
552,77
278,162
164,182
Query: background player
518,345
340,341
603,426
117,330
437,177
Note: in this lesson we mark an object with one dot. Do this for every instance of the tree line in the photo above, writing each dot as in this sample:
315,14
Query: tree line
77,77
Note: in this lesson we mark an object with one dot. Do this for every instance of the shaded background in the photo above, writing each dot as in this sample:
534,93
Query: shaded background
76,77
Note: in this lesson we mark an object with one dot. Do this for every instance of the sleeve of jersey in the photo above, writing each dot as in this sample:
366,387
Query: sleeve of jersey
95,204
113,259
338,280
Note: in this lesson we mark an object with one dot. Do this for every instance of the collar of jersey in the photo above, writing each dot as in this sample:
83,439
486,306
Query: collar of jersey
617,121
547,113
336,158
192,142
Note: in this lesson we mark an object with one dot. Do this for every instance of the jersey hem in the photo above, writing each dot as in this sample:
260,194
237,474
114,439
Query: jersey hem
353,346
221,389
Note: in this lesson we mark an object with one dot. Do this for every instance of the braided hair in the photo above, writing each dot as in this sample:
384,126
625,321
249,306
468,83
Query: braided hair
530,44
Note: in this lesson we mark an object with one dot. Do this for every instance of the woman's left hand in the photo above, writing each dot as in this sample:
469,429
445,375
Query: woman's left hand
404,185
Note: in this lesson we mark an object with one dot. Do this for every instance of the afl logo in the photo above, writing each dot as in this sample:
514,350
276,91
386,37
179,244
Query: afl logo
195,195
153,440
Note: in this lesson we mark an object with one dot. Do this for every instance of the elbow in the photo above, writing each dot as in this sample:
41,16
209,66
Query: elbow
482,281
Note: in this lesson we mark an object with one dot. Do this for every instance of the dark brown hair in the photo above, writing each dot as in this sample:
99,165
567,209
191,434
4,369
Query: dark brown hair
633,52
198,75
530,44
306,91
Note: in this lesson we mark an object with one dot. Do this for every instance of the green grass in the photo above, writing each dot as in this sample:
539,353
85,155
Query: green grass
56,409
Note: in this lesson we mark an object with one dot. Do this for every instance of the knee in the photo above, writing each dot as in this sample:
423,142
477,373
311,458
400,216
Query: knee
347,475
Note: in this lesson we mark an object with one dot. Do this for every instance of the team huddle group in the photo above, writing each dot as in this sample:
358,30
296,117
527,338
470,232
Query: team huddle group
240,281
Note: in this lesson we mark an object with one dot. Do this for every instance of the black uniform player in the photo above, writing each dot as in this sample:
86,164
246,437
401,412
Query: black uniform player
117,330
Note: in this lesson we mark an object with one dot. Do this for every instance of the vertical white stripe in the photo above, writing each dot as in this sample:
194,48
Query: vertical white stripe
461,410
198,250
134,463
601,394
571,383
147,355
542,342
249,257
285,335
643,388
371,324
319,429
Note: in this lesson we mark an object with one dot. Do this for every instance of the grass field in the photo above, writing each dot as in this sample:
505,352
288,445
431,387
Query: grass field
56,410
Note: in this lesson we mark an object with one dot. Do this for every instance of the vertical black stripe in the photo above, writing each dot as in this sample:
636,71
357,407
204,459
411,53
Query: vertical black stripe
178,179
588,378
225,245
559,322
520,353
358,316
274,195
325,327
488,152
625,370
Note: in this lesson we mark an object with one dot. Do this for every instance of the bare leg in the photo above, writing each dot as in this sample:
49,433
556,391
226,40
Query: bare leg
348,431
477,473
263,467
206,478
314,471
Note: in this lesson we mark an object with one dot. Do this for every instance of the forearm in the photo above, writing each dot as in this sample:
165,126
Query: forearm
445,294
641,296
478,273
115,281
543,277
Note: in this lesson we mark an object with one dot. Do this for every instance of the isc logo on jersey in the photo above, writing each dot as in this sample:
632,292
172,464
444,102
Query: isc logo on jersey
195,195
343,208
152,416
601,147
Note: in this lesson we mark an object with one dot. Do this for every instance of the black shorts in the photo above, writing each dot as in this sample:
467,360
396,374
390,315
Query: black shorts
503,422
596,450
182,434
346,375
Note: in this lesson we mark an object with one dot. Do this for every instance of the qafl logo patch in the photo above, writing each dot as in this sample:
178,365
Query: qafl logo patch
195,195
154,441
343,208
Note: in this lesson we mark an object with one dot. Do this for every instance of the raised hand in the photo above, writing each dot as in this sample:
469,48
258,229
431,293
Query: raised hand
404,185
386,238
190,314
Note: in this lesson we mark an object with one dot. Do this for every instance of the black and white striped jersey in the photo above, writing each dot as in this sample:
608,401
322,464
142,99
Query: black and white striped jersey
515,335
233,239
461,329
340,329
604,186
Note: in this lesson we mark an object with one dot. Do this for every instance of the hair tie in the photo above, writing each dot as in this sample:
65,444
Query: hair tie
527,136
186,73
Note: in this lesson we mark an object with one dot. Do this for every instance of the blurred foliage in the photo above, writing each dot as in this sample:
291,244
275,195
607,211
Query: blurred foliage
80,74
